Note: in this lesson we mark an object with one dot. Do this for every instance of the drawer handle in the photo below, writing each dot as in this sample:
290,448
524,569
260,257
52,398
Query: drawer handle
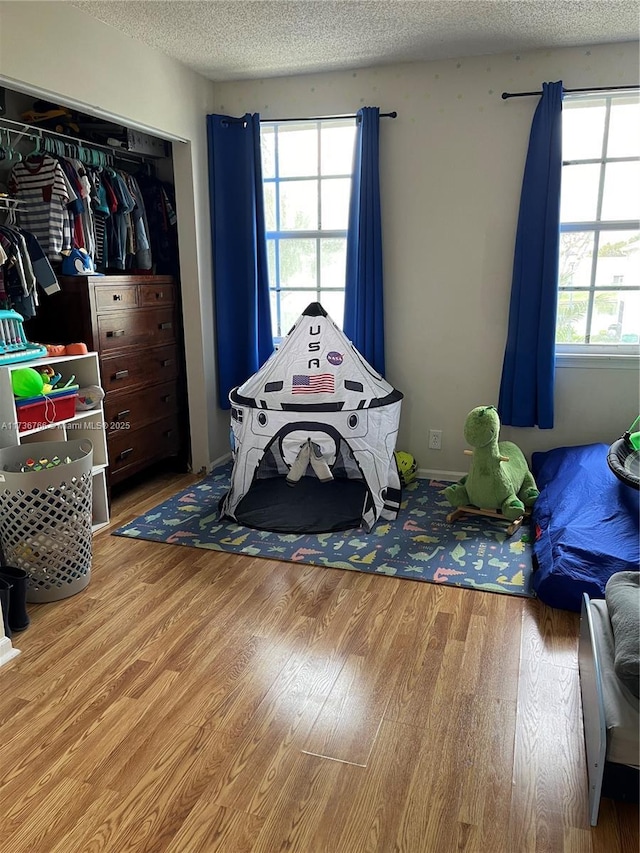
166,362
168,433
120,374
123,414
124,453
117,333
165,326
117,297
160,295
166,398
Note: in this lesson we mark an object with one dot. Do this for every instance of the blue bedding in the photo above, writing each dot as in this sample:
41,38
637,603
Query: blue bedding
585,524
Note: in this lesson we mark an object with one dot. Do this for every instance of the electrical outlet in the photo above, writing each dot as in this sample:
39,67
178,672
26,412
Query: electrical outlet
435,439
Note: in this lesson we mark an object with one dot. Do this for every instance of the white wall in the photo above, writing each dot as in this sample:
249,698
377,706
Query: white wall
451,172
57,48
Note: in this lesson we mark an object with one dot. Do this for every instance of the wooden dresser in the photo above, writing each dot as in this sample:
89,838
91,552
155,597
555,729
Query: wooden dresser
133,323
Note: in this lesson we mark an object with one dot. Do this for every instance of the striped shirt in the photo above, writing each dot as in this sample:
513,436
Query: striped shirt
40,183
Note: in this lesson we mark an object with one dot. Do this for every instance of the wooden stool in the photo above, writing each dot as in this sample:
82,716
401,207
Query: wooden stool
461,511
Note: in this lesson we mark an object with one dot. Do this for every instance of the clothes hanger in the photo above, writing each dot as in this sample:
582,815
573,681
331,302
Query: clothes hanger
37,150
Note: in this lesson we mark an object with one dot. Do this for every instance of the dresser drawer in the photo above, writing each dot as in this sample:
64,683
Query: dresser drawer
131,370
115,296
139,408
130,450
156,294
147,328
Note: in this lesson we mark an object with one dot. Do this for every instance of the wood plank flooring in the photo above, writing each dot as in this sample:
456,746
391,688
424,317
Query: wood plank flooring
192,701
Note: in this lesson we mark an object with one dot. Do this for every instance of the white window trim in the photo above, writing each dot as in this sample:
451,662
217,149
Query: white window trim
589,356
591,360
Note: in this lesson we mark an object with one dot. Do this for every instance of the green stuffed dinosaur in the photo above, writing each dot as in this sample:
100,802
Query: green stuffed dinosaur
499,477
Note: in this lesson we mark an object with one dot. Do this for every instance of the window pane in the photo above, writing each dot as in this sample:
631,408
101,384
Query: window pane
624,129
336,149
298,265
299,205
576,258
292,304
579,195
616,318
268,149
571,324
582,129
333,260
297,151
599,271
269,193
619,259
621,197
335,204
333,303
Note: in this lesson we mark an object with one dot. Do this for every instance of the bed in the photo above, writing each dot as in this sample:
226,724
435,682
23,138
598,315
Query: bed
585,525
609,684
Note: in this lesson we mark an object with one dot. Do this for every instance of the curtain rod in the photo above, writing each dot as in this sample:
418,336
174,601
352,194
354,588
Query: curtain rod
393,114
506,95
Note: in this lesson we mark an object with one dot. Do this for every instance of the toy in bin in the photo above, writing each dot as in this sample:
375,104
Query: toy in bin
38,401
89,398
41,464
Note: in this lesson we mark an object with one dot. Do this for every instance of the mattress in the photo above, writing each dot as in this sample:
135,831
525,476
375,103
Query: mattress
621,707
585,525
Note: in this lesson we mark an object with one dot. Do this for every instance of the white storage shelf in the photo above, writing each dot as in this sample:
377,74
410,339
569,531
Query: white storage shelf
89,424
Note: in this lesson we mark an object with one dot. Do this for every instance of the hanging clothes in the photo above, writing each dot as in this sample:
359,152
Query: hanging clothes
41,184
159,204
142,250
121,241
23,265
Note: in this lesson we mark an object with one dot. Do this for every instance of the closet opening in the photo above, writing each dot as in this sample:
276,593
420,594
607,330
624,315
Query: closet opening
97,200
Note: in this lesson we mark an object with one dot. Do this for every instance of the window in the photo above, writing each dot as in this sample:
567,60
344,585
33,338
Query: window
599,274
306,171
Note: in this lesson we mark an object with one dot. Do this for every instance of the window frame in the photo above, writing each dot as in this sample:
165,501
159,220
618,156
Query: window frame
598,354
317,235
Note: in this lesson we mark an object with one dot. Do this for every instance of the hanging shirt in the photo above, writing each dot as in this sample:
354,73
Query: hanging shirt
40,183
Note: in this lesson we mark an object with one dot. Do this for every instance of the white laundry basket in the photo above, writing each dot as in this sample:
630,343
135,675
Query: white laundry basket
45,516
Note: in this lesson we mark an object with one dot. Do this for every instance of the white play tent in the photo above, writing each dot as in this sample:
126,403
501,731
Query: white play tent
313,435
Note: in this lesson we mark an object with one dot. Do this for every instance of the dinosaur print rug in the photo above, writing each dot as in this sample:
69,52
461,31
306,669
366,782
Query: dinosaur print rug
420,546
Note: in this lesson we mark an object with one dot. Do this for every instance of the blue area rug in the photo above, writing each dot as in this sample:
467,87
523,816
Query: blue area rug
419,545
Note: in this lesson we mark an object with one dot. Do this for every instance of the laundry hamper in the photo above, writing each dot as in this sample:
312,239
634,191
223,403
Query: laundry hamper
45,515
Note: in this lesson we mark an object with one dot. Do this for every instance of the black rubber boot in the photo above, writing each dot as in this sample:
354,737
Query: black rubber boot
18,616
5,589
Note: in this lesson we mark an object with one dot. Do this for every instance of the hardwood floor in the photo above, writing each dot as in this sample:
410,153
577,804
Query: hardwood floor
192,701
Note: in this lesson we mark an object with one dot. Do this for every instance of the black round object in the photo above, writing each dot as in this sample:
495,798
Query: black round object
624,460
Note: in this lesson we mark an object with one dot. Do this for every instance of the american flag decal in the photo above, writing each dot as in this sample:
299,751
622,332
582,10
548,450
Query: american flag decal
321,383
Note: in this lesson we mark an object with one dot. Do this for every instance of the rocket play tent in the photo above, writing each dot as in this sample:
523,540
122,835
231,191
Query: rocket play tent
313,435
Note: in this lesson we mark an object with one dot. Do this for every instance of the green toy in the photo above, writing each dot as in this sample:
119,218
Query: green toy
407,467
499,477
26,382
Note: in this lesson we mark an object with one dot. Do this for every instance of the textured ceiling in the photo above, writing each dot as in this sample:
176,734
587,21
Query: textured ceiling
243,39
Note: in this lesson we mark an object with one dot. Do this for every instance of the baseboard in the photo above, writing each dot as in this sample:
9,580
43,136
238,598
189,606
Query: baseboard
219,461
432,474
7,652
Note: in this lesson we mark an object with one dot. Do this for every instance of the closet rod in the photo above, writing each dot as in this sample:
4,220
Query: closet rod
23,129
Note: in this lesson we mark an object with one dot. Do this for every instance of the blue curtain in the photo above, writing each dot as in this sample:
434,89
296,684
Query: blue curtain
244,339
363,308
528,372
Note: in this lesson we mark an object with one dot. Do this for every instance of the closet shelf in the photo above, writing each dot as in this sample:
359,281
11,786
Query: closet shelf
84,149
